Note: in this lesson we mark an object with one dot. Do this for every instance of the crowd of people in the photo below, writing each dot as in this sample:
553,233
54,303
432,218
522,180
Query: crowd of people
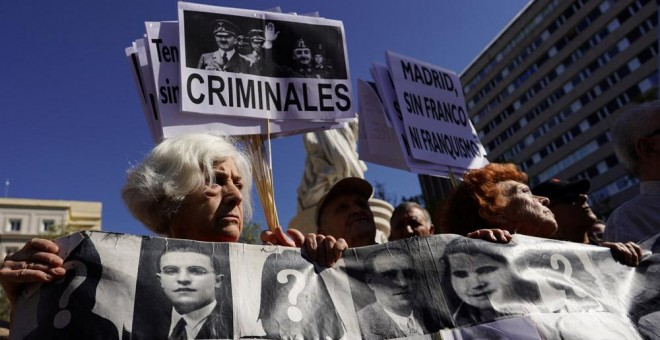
197,187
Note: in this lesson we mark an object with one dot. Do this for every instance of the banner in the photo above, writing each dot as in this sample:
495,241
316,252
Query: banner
132,287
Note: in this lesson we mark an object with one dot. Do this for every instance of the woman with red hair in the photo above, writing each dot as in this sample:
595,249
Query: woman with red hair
497,196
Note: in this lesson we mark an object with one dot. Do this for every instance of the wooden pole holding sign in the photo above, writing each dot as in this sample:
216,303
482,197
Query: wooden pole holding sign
262,172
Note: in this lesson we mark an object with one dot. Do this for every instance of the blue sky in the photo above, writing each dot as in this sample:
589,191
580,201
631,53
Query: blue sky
70,119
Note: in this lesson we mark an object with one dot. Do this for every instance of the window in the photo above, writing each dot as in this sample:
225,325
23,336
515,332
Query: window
14,225
47,225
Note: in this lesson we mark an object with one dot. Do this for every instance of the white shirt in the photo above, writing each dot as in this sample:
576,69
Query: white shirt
194,320
402,322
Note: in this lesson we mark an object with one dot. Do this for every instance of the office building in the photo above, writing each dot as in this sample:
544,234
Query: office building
545,92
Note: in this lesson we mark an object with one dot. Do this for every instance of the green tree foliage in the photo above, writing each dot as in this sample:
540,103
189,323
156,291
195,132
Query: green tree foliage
251,233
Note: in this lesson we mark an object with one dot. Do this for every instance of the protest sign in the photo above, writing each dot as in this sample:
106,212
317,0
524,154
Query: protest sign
394,120
147,99
277,79
163,43
435,118
124,286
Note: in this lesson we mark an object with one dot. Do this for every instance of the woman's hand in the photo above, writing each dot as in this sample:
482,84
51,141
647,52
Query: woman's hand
491,235
37,261
628,253
324,250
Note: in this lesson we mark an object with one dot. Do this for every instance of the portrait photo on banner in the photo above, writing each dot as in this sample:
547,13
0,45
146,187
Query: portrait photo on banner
390,291
183,288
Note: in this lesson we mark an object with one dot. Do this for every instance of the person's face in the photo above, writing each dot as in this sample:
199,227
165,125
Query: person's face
596,231
225,40
477,279
243,45
257,44
573,213
213,213
393,283
302,55
409,223
318,59
348,216
188,280
525,213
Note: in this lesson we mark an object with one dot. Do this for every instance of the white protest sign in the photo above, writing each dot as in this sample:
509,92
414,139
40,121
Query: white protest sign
377,142
163,39
390,103
435,119
142,77
279,79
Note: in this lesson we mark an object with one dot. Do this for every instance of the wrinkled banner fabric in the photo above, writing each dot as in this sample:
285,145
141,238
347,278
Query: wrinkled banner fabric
441,287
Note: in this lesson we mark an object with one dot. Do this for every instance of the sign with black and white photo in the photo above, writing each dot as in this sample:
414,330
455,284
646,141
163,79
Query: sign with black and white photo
133,287
263,64
164,63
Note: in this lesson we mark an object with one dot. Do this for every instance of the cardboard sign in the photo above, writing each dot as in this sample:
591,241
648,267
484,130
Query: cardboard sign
435,118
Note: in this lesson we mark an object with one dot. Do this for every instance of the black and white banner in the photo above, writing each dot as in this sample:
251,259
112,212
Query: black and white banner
131,287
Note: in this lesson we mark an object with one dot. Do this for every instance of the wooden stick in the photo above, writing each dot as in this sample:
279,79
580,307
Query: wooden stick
263,175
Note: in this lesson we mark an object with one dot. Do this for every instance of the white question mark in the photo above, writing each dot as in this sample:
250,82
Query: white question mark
63,317
568,271
293,312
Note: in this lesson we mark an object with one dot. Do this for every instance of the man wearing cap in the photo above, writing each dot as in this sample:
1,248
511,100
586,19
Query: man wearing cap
322,69
302,61
226,57
569,203
636,139
344,212
261,59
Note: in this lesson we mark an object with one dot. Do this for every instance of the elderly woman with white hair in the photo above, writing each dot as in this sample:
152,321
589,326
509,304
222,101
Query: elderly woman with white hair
195,186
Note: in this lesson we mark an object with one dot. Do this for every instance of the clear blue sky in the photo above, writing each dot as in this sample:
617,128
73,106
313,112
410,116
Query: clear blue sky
70,119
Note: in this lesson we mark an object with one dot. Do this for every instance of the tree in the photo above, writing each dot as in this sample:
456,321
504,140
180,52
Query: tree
381,193
251,233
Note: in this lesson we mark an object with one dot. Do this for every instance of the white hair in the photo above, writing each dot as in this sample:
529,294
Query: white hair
631,126
156,188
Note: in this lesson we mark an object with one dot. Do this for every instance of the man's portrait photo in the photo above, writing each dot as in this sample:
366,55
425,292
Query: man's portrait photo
225,58
390,275
183,291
